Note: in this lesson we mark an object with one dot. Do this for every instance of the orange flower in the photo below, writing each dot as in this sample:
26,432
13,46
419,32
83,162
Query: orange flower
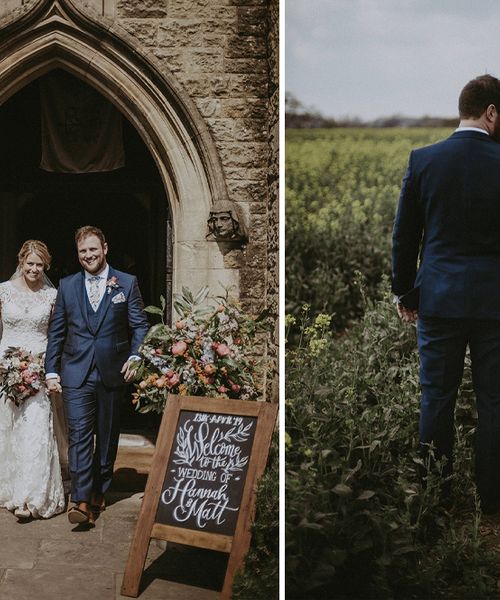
160,382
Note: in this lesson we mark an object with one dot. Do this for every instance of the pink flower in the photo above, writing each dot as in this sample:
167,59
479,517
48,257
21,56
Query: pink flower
174,380
222,389
112,283
235,388
223,350
179,348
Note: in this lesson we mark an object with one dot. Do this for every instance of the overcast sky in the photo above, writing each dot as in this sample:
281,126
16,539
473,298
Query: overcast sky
372,58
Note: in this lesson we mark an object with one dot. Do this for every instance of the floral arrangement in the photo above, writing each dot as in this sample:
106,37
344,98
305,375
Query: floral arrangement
21,374
205,353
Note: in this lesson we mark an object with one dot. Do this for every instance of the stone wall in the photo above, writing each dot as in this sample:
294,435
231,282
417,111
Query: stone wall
224,53
273,185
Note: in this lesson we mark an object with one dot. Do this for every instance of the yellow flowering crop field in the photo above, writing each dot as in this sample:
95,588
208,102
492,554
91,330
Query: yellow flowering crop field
342,187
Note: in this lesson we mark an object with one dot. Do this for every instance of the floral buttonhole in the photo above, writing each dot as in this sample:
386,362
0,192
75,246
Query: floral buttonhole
112,284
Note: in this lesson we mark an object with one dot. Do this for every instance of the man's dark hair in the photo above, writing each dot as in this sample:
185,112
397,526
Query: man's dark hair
88,230
477,95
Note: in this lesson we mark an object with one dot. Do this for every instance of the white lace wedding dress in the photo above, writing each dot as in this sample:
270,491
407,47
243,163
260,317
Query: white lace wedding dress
30,472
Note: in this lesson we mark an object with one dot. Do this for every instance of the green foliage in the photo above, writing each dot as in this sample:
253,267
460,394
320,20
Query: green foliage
342,187
259,578
358,522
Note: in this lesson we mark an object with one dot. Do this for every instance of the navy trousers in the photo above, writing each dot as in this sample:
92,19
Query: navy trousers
92,408
442,345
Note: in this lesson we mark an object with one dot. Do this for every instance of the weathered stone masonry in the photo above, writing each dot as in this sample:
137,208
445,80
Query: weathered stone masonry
224,54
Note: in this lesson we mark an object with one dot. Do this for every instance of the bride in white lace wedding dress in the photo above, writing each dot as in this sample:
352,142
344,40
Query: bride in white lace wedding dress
30,471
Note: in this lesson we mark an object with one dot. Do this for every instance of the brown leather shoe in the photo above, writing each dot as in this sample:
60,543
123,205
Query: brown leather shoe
80,515
98,503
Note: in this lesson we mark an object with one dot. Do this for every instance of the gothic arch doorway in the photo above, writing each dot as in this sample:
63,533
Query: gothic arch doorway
129,204
56,34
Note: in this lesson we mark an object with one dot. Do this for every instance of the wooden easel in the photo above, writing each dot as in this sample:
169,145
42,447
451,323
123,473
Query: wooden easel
236,545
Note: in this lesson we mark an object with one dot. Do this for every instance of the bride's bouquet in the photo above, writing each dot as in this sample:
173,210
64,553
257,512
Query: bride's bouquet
21,374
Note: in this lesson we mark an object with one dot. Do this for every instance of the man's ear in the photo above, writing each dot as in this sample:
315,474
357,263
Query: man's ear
491,112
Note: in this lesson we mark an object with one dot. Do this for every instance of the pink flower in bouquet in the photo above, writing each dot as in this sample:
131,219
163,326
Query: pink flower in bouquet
179,348
223,350
27,377
235,388
173,381
222,389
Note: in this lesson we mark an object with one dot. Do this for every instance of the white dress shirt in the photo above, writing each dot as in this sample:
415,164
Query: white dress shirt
472,129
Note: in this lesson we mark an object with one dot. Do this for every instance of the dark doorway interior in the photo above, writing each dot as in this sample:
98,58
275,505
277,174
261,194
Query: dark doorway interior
129,204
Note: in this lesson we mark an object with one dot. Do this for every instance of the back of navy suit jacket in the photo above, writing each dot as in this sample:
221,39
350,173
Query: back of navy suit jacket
449,215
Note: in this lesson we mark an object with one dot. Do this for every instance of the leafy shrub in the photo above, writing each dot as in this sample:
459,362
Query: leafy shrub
358,522
342,187
259,578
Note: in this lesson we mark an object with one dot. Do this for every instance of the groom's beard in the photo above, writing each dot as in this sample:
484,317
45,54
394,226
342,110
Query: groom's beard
97,267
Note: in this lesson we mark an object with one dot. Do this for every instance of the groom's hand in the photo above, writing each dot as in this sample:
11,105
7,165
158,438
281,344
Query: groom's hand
129,369
407,315
53,385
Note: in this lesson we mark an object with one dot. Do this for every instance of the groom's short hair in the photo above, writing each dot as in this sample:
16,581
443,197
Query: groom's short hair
87,230
477,95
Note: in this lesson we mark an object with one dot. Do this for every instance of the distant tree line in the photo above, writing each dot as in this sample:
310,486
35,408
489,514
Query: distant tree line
299,116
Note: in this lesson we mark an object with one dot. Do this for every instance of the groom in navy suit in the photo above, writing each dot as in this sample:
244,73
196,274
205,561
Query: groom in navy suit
96,329
448,221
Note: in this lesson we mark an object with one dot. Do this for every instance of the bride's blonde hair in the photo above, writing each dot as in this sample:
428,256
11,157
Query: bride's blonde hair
35,247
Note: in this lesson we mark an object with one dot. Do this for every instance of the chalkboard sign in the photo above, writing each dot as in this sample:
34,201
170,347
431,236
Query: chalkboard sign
209,455
206,472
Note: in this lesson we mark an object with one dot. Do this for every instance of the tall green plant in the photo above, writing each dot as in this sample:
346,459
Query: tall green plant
358,522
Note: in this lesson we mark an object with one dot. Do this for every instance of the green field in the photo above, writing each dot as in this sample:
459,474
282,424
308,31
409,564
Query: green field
342,187
359,524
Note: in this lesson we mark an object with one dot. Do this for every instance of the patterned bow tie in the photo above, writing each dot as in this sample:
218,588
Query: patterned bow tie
94,296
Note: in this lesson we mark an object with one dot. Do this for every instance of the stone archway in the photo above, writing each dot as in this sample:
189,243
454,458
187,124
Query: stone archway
56,34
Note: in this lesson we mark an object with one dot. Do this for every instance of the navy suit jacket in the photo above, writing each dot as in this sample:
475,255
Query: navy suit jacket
449,218
73,345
